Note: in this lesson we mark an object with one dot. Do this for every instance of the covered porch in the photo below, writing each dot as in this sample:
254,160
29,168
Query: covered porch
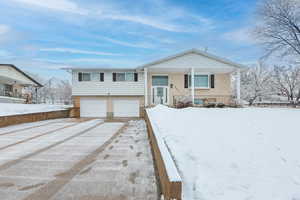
191,85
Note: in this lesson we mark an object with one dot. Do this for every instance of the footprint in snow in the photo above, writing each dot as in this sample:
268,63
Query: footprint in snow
283,159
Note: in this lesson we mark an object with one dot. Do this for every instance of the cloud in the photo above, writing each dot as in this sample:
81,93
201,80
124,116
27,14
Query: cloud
58,5
128,44
4,29
161,16
78,51
240,36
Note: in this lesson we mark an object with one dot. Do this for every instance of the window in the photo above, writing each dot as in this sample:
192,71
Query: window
125,76
82,76
198,101
200,81
159,80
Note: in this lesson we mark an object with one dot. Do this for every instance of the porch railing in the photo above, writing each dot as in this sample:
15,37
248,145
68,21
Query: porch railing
202,100
8,93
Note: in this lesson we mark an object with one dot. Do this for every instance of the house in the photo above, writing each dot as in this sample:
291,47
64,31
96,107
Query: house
194,74
13,81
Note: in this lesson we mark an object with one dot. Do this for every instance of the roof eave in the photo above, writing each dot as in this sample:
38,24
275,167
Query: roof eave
23,73
195,51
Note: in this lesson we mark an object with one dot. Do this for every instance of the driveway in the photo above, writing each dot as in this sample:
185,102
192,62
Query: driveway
76,159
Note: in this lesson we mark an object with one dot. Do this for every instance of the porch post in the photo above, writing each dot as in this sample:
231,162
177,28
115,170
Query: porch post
238,86
146,86
193,85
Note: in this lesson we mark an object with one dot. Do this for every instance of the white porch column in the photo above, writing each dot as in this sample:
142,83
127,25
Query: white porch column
193,85
146,86
238,86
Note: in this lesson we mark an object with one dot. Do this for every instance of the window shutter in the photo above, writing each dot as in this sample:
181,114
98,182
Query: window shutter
114,77
212,81
101,76
135,77
80,76
186,81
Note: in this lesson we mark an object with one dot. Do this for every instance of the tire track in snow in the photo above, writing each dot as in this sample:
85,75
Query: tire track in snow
47,191
16,161
37,136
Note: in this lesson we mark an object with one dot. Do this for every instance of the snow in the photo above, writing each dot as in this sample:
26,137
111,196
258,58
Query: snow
7,109
233,153
166,156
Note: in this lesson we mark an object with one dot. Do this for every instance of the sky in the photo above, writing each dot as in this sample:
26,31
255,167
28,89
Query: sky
43,36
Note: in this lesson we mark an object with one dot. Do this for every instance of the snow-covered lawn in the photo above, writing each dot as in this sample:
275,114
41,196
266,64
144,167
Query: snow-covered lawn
16,109
234,154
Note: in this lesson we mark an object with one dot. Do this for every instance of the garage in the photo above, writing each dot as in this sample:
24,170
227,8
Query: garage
92,107
126,108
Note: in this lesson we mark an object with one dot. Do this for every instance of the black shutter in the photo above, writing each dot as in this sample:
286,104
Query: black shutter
186,81
135,77
79,76
101,76
114,77
212,81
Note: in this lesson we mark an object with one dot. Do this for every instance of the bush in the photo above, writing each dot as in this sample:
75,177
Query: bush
182,104
210,105
220,105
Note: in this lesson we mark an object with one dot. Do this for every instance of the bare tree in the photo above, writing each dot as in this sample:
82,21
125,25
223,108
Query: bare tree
286,80
255,82
279,29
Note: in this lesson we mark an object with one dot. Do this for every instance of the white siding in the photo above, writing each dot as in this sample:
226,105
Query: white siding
108,87
192,60
11,73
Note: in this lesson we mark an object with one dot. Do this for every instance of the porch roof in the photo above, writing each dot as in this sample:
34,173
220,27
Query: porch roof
10,74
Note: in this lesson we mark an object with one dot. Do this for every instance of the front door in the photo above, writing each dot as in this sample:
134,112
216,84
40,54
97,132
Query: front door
160,89
160,95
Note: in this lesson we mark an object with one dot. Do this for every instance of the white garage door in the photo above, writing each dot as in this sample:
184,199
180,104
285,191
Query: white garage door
126,108
92,107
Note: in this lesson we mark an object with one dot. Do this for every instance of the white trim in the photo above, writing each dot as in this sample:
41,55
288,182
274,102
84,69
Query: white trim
166,87
193,85
146,86
168,94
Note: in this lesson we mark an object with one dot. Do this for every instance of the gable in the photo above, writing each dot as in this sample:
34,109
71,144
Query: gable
11,74
192,60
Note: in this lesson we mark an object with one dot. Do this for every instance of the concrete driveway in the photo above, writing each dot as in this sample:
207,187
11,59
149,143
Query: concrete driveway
76,159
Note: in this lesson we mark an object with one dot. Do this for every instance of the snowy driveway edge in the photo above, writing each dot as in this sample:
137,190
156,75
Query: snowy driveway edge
33,117
169,178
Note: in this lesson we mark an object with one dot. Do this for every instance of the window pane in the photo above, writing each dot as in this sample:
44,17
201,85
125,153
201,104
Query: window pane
198,101
120,76
129,76
201,80
160,80
86,76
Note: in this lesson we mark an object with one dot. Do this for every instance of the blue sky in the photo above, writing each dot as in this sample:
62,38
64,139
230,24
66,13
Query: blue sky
42,36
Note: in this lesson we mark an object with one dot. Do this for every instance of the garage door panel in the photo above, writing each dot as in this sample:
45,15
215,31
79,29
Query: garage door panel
92,107
126,108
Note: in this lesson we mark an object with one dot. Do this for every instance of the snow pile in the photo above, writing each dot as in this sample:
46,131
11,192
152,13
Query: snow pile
247,153
7,109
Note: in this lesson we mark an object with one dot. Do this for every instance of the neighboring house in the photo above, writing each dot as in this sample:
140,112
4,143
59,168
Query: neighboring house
108,92
13,81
